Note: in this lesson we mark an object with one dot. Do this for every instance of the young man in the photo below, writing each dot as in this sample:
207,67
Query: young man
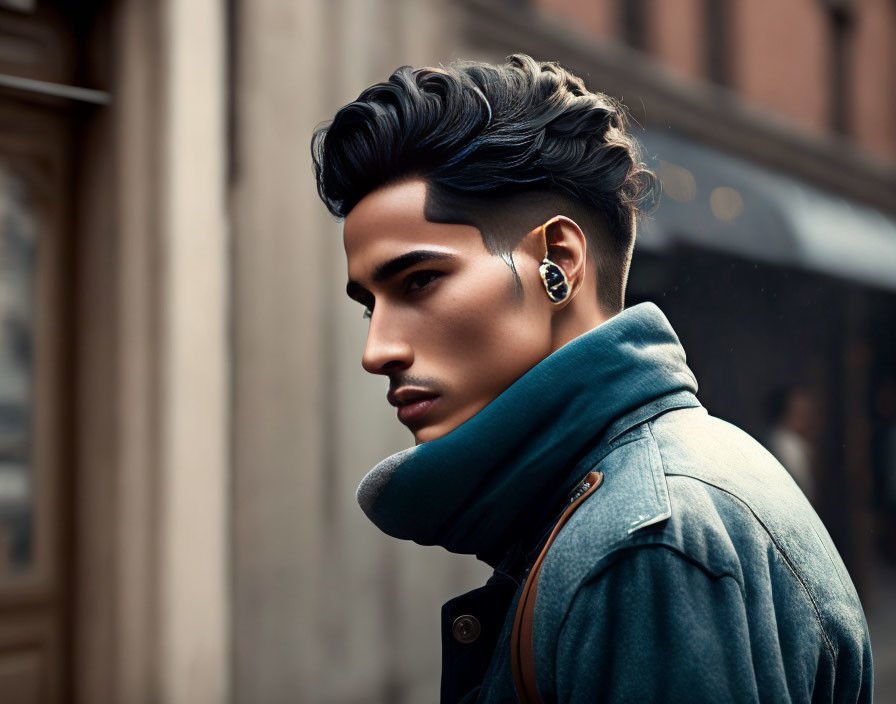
643,549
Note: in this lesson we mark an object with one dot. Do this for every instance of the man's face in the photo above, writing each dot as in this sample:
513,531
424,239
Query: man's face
447,324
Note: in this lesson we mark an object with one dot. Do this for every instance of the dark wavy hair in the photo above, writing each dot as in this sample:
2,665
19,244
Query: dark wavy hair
503,148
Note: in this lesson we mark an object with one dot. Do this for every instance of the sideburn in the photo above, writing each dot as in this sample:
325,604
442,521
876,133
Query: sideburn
502,220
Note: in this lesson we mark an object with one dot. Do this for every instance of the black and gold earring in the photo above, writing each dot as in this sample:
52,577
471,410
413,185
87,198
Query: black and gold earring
555,282
552,275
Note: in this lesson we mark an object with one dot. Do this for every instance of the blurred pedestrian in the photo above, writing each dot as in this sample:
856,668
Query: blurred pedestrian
792,416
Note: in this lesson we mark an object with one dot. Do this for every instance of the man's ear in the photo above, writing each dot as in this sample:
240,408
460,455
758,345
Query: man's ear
564,243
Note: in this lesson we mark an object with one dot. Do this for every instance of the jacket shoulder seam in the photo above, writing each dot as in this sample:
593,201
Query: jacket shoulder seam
824,633
622,551
620,554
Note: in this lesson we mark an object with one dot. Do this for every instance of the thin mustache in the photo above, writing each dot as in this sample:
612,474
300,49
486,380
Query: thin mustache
417,382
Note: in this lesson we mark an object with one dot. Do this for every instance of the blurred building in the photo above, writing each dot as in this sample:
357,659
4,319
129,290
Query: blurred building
183,415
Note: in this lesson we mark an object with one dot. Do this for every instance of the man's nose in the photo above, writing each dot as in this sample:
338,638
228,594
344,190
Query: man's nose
387,350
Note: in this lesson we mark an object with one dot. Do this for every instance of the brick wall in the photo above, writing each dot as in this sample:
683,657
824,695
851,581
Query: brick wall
779,56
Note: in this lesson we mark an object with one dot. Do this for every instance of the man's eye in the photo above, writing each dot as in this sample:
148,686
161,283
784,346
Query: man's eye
419,280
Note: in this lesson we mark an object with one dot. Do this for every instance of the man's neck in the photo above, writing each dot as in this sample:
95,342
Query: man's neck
574,322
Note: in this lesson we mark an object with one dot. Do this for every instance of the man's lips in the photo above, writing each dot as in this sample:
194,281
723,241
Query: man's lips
412,404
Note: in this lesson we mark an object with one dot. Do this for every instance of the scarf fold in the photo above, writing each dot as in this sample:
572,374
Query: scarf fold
495,479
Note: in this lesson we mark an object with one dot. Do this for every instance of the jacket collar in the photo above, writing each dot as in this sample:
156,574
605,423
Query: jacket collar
497,478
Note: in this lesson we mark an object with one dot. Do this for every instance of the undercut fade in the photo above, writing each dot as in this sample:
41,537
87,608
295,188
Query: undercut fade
502,148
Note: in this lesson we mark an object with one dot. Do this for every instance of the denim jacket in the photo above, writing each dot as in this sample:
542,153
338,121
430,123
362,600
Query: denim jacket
697,572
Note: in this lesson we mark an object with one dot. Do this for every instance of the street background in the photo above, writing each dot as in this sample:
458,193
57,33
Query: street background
183,414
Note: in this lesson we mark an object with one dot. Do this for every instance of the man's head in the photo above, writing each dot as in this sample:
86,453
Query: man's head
794,407
454,184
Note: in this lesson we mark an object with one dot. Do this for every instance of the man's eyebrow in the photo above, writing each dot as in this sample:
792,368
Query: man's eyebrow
388,269
394,266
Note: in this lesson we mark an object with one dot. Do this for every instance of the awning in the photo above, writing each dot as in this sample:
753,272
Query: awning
718,201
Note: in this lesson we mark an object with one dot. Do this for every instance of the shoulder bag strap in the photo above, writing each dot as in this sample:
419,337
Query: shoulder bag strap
522,651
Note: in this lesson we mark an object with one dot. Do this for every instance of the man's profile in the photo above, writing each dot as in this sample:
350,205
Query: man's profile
642,548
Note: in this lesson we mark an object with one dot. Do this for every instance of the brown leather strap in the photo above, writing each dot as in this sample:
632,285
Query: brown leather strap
522,651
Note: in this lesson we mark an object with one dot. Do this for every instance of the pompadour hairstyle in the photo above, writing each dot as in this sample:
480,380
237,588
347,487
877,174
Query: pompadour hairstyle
502,148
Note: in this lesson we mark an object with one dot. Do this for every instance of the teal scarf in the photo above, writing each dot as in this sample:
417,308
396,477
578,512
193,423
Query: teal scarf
495,479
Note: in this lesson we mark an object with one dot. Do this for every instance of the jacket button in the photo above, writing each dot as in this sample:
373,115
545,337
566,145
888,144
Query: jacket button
466,629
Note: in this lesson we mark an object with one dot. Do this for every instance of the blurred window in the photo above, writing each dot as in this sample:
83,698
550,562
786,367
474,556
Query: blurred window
716,14
17,278
634,23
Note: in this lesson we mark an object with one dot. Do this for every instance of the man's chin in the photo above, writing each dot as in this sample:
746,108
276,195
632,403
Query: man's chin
435,431
426,435
432,432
